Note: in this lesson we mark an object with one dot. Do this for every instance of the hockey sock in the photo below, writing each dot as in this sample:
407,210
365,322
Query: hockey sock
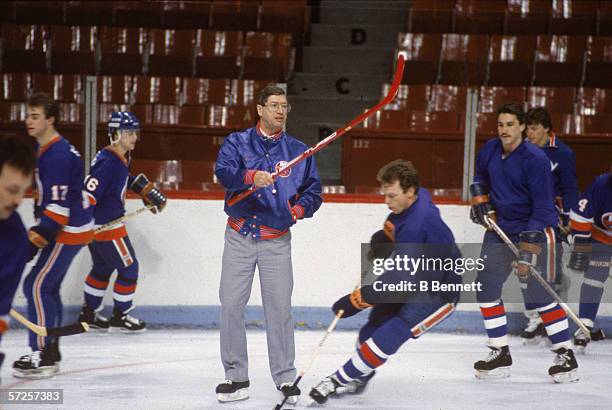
495,322
125,286
556,325
367,358
95,288
590,294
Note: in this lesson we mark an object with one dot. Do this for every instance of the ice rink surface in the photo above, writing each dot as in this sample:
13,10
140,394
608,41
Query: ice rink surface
179,369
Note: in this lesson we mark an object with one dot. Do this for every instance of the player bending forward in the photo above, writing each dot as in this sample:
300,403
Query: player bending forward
111,248
414,220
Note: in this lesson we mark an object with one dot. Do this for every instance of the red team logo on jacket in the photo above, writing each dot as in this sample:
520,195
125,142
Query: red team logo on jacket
606,221
281,164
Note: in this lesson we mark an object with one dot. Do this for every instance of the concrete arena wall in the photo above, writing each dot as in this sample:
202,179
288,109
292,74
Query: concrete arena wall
180,250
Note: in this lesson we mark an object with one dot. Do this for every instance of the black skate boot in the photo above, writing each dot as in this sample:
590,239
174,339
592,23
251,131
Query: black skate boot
40,364
581,341
496,365
232,391
93,319
291,392
126,324
533,332
356,386
326,387
565,368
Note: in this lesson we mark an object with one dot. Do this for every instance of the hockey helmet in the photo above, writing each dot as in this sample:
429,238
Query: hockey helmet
122,120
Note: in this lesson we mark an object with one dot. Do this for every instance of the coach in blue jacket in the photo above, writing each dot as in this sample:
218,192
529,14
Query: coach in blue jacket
257,233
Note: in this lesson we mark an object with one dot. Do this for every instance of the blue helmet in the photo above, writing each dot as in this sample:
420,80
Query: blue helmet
122,120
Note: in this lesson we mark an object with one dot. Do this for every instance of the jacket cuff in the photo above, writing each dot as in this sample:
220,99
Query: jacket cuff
249,176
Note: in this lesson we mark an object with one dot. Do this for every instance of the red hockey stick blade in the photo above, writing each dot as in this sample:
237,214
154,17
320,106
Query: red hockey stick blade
397,79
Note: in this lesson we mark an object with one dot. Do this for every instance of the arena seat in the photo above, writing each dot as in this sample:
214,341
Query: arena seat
479,16
105,110
161,90
594,101
267,56
593,124
12,112
16,86
388,120
68,87
528,17
137,13
89,13
185,14
557,100
599,62
493,97
464,58
434,121
73,49
430,16
422,56
115,89
42,83
70,113
24,48
511,60
201,91
218,53
122,50
165,114
486,123
410,97
558,60
235,15
193,115
574,17
447,98
171,52
231,117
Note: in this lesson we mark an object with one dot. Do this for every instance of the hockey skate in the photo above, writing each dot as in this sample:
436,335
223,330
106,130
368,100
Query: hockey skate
534,331
581,341
326,387
496,365
232,391
565,368
356,386
291,392
94,319
40,364
126,324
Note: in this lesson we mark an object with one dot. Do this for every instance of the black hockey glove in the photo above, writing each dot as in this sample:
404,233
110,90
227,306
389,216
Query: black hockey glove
351,304
480,205
581,254
380,246
150,195
530,247
39,238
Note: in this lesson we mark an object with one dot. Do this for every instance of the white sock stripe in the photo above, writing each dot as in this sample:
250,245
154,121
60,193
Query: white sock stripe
547,307
123,298
555,328
344,375
498,341
566,344
93,291
489,304
587,322
360,364
495,322
593,283
376,349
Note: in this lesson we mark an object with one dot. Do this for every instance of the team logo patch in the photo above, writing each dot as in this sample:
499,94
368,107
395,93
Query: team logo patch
606,220
281,164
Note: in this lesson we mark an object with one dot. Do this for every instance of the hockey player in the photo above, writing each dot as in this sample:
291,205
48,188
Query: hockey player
414,221
591,225
64,225
258,233
513,184
563,166
17,162
111,248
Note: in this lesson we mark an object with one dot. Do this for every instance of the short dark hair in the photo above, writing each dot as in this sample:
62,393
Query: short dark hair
49,106
399,170
539,115
515,109
267,91
17,154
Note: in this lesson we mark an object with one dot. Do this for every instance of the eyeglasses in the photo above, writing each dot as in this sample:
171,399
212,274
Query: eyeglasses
275,107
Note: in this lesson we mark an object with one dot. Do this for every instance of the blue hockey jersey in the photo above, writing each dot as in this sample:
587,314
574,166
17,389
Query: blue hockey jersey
60,197
245,152
106,185
520,186
591,216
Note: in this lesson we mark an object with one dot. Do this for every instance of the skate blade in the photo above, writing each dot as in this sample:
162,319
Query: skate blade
36,374
291,400
531,342
126,331
568,377
238,395
499,373
580,349
310,402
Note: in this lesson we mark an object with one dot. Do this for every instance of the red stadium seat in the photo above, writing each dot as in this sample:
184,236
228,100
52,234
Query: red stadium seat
115,89
73,50
388,120
105,110
43,83
245,92
493,97
25,48
430,16
422,57
594,124
574,17
234,15
218,53
150,167
231,117
202,91
447,98
198,171
67,88
434,121
528,17
480,16
268,56
12,111
16,86
165,114
410,97
185,14
563,123
137,13
70,113
122,50
144,112
286,17
39,12
599,62
89,13
171,52
594,101
559,60
558,100
486,123
192,115
511,60
464,58
157,90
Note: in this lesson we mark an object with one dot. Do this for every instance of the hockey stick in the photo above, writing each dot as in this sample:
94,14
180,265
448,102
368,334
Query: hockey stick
539,278
397,78
123,218
74,329
313,355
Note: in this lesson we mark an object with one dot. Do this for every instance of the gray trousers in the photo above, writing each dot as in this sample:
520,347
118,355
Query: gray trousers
273,259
